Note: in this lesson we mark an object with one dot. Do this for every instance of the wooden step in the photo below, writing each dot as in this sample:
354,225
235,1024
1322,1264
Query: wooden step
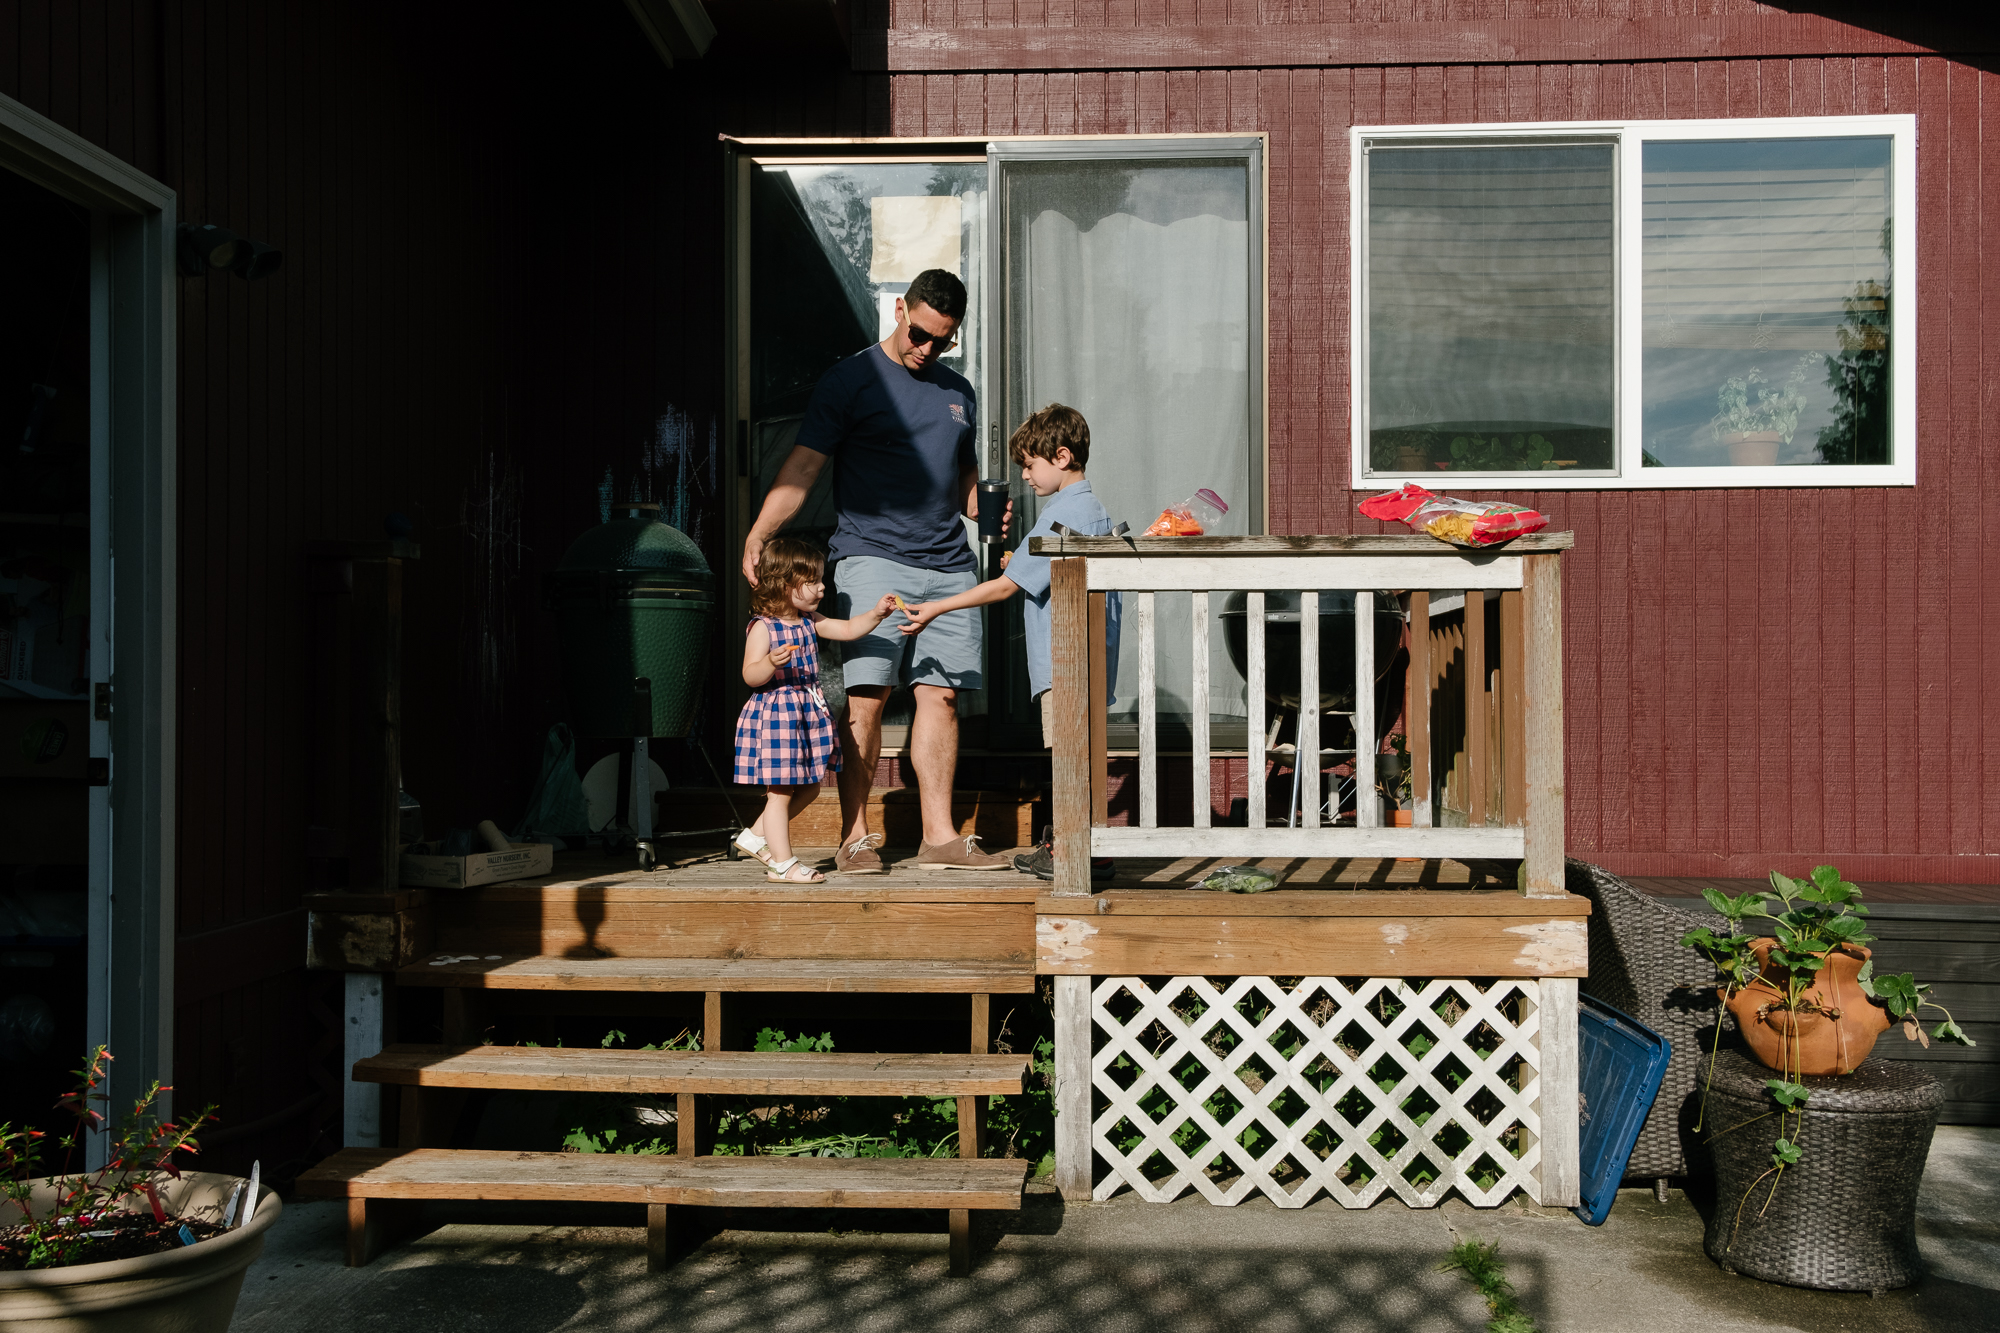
371,1179
956,976
753,1073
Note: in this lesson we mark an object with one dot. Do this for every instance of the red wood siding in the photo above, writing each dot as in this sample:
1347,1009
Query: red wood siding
1756,679
501,276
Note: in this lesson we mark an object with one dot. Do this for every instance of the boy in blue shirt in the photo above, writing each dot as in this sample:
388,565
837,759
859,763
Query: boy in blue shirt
1053,448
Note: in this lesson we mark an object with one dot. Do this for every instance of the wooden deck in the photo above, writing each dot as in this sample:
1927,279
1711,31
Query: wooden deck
709,869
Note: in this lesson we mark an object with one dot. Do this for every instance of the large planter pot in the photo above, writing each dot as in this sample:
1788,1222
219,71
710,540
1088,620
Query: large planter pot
1832,1042
189,1290
1753,448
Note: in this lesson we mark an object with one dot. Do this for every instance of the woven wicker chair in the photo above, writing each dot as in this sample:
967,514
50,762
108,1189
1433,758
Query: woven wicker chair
1637,964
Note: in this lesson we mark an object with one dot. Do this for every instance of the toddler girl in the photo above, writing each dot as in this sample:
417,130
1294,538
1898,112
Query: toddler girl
784,737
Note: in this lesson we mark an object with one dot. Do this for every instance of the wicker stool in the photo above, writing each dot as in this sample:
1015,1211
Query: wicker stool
1844,1217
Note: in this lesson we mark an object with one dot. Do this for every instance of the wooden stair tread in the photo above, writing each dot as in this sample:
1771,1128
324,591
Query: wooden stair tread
581,1069
963,976
729,1182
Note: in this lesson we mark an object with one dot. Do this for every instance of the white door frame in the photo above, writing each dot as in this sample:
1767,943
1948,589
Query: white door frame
133,337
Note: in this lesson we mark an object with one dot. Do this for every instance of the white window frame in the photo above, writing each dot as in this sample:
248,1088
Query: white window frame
1630,136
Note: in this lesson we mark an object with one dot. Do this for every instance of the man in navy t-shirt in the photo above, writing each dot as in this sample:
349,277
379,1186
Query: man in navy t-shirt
901,431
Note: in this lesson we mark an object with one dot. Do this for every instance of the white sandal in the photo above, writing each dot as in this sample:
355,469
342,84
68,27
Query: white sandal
786,872
752,843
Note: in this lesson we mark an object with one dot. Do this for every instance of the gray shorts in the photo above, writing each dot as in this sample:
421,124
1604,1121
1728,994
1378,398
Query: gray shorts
946,653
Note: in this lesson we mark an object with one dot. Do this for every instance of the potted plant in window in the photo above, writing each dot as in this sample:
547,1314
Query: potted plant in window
1753,417
137,1244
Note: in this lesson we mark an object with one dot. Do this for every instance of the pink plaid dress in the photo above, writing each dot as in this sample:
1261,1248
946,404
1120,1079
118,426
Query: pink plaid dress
784,735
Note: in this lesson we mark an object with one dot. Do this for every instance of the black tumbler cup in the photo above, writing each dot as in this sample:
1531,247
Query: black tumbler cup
992,508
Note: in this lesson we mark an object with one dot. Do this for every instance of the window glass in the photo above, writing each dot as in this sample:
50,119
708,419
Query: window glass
1767,302
1491,291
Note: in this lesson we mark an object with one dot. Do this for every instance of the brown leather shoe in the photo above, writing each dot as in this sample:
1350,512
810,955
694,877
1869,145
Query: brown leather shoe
860,857
961,854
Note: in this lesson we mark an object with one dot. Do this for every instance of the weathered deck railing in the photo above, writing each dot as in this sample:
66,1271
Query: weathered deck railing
1465,1078
1525,576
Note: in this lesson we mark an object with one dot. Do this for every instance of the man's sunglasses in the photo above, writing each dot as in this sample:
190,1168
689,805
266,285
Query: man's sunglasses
919,338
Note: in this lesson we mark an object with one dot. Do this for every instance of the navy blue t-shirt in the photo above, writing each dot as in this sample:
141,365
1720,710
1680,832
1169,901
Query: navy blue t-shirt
899,442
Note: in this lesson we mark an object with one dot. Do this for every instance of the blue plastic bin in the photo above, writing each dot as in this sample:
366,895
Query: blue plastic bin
1622,1063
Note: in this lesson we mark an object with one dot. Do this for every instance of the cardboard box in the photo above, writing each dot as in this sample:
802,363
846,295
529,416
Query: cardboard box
367,941
521,860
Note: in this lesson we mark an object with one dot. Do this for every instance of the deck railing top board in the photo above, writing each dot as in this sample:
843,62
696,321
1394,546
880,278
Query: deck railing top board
1415,544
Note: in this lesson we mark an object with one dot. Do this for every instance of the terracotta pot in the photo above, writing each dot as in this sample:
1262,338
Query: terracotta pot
1411,460
1826,1043
189,1290
1753,448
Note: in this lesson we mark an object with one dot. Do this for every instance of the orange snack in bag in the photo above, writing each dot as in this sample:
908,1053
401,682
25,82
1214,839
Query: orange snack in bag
1449,519
1191,517
1175,521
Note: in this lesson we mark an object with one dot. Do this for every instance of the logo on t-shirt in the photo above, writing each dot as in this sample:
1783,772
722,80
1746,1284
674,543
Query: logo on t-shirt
958,413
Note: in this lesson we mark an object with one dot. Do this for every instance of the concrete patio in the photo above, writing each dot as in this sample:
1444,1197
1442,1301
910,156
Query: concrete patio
1120,1265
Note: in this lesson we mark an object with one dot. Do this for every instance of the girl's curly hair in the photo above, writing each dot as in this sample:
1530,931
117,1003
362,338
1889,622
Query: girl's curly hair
784,564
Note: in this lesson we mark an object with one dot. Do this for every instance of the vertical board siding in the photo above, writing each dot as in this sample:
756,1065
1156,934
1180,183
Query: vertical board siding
501,281
1757,679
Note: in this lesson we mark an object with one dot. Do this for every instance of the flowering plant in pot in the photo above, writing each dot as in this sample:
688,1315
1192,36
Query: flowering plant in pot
1805,994
138,1243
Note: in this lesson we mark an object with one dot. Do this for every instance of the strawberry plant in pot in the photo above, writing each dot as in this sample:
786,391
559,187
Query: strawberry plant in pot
1805,995
138,1243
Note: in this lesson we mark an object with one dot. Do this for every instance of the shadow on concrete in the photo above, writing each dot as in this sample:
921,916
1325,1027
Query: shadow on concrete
463,1297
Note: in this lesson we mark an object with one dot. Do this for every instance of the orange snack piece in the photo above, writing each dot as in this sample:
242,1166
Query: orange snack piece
1175,521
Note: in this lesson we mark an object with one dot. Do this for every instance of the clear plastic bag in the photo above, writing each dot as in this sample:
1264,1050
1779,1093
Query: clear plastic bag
1450,519
1191,517
1239,879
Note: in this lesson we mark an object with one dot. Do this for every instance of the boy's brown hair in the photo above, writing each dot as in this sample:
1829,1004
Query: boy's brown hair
784,564
1054,427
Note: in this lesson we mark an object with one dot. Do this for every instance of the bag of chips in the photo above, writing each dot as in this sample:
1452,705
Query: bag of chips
1449,519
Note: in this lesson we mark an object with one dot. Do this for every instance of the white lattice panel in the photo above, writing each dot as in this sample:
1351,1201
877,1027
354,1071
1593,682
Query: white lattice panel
1225,1075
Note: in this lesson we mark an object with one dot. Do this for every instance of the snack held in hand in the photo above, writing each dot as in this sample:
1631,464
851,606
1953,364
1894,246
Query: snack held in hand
1449,519
1191,517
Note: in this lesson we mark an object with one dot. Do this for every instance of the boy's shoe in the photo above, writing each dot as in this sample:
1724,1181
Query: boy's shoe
860,857
1040,860
960,854
1041,863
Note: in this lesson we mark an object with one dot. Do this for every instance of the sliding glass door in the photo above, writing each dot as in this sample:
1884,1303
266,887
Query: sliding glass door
1129,277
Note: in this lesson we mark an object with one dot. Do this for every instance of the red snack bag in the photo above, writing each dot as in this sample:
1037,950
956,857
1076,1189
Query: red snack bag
1460,522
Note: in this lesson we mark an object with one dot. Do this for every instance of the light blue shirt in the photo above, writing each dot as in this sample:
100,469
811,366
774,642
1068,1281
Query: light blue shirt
1078,510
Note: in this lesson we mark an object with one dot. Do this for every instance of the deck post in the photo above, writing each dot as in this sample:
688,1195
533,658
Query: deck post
1070,757
1542,669
1543,873
1560,1173
961,1241
361,1103
1073,1058
659,1234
